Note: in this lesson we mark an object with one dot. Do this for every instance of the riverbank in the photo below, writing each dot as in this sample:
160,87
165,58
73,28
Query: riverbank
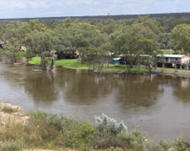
33,130
173,71
74,64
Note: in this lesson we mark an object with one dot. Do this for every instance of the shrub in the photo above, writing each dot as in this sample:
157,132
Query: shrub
110,125
134,139
12,146
115,149
182,144
78,134
47,118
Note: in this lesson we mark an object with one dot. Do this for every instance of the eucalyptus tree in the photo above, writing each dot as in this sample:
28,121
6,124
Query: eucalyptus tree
12,52
134,44
41,43
81,35
180,37
95,59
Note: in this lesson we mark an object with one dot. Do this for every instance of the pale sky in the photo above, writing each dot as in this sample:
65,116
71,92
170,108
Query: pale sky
58,8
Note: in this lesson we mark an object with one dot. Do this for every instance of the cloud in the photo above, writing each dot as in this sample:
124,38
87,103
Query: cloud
48,8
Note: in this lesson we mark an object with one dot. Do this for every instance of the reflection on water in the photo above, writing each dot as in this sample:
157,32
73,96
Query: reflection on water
160,104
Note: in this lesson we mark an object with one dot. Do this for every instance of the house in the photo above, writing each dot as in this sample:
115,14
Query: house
173,61
67,54
115,61
1,44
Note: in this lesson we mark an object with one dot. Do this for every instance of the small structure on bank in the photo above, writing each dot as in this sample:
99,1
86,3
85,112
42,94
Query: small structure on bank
174,61
115,61
1,44
67,54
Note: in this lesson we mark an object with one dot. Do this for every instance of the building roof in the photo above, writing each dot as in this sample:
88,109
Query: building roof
172,56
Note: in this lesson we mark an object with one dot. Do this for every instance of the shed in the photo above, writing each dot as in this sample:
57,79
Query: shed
115,61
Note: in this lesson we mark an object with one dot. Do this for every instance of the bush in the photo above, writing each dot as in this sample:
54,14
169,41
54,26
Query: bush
134,139
12,146
110,125
115,149
78,134
182,144
47,118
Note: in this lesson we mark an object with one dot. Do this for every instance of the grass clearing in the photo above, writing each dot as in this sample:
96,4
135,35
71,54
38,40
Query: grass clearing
61,62
167,51
73,64
23,53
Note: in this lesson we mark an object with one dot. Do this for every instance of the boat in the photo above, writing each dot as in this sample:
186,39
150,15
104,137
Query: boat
155,72
17,63
36,70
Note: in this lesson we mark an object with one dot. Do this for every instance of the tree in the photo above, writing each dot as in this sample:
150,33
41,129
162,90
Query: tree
180,37
41,43
12,52
80,35
95,59
150,49
164,40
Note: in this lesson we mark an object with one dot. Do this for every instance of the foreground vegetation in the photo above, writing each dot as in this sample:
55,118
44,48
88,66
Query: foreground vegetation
51,131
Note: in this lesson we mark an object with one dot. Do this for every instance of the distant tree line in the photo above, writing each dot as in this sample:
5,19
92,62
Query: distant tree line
96,39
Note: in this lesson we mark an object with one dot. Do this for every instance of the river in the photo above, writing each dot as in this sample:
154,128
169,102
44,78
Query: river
159,104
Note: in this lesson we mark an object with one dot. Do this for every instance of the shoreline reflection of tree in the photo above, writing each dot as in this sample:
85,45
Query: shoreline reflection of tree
85,88
41,87
181,89
138,91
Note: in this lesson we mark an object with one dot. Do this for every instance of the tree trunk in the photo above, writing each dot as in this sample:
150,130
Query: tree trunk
107,64
51,65
43,64
125,65
149,68
139,65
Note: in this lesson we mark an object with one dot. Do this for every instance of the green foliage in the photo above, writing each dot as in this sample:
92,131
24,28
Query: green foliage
182,144
115,149
12,52
12,146
180,37
78,134
165,145
23,54
134,139
47,118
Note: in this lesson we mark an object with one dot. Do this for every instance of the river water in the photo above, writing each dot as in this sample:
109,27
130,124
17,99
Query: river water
160,104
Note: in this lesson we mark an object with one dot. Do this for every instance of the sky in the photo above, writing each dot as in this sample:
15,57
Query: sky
58,8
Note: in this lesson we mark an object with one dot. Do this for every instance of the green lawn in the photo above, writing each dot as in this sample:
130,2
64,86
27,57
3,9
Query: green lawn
167,51
22,53
35,60
61,62
73,64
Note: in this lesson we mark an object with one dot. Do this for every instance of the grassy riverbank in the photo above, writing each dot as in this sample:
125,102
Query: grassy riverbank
74,64
57,132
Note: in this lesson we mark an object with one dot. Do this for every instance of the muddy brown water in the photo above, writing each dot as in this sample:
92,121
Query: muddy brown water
159,104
